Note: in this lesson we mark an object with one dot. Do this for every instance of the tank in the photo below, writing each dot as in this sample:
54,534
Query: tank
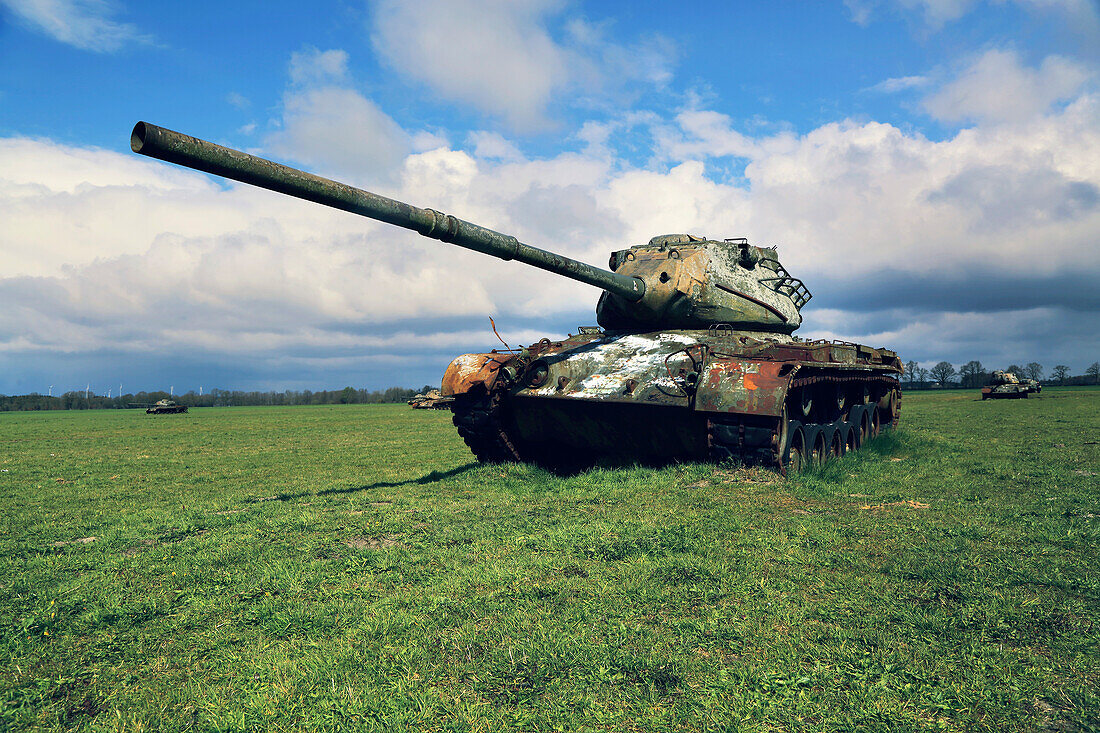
1006,385
165,407
433,399
694,356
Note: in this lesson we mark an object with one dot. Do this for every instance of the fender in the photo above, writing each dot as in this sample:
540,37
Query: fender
470,371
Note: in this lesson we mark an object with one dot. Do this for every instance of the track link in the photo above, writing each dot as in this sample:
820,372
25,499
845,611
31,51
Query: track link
481,425
732,438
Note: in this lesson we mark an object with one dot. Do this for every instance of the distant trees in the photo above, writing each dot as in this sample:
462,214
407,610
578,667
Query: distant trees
215,398
1094,372
943,372
972,374
911,368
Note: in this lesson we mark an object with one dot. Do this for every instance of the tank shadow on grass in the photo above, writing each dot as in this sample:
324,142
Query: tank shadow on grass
427,478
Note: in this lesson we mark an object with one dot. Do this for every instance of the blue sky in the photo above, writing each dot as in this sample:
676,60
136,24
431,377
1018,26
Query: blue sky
930,168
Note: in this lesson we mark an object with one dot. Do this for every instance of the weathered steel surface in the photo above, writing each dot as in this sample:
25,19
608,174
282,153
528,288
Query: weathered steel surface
743,386
469,371
693,283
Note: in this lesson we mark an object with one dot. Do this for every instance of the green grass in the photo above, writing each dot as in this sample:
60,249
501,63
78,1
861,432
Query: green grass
349,567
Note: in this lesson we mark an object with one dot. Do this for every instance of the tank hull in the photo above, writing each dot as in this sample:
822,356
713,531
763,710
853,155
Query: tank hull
166,409
666,396
1009,391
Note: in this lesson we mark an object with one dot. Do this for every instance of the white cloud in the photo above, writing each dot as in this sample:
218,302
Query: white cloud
899,84
938,12
1081,17
997,87
84,24
499,56
339,132
493,145
313,67
238,100
104,249
331,127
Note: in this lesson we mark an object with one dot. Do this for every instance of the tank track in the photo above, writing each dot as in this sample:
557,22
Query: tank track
745,439
769,443
481,425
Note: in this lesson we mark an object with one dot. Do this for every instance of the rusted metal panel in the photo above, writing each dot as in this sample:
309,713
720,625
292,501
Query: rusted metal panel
471,370
743,386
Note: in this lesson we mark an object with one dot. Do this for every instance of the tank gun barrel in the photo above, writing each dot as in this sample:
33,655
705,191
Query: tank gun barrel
175,147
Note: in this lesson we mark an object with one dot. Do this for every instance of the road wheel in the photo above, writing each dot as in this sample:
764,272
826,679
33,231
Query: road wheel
797,456
851,438
836,442
815,441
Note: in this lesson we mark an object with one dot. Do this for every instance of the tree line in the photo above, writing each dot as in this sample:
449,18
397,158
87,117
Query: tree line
81,400
972,375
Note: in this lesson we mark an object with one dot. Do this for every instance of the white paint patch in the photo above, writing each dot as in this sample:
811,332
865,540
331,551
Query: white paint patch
603,368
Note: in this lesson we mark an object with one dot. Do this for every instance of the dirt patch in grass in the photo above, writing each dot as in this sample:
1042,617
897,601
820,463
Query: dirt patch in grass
81,541
374,543
909,504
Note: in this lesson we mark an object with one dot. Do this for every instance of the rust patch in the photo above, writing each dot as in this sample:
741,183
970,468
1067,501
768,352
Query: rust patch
470,370
743,386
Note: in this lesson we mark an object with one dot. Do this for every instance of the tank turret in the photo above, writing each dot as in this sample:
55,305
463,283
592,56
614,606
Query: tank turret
677,281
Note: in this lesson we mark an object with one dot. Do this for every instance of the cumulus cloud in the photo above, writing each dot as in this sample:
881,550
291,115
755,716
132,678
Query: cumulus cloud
912,243
313,67
84,24
330,126
501,58
997,87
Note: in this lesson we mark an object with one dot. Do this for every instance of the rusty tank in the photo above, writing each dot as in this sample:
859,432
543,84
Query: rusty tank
694,357
165,407
1006,385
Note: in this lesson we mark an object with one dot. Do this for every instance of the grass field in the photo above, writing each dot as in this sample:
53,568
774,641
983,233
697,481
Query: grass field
349,567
